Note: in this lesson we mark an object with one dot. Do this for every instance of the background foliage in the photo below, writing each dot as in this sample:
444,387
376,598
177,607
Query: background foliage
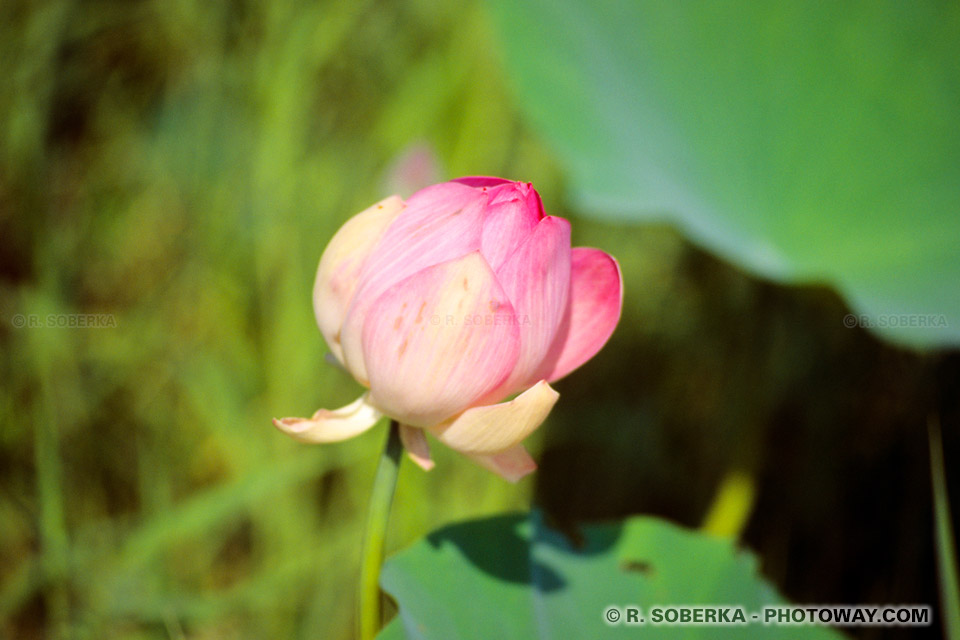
803,140
181,165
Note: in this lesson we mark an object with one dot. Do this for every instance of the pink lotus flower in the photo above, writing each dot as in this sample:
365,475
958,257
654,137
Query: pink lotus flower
446,305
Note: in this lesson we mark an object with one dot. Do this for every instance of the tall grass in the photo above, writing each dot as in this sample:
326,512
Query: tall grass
180,167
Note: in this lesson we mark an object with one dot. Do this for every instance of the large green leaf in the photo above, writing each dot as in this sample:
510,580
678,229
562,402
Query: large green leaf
804,140
513,577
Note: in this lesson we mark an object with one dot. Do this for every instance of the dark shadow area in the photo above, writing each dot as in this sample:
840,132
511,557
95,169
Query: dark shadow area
500,547
727,371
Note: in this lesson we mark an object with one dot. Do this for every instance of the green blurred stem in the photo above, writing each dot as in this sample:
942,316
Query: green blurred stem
946,555
378,514
732,505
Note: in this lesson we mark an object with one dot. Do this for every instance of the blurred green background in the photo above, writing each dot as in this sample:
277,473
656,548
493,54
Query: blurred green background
180,166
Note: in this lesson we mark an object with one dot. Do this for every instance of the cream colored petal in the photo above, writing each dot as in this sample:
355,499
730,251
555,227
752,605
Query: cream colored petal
511,465
415,442
494,428
331,426
341,263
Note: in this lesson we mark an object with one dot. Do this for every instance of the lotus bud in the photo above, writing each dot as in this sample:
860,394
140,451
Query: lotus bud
456,309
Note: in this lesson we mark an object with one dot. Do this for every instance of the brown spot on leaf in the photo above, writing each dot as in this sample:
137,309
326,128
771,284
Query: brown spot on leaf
420,312
637,566
402,349
569,530
397,322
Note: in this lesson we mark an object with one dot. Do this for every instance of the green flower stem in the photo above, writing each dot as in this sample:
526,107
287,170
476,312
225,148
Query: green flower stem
378,514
